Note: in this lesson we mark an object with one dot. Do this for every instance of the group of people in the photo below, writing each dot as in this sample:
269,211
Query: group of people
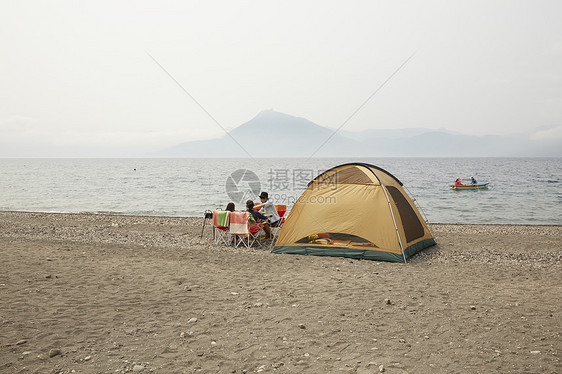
459,183
268,219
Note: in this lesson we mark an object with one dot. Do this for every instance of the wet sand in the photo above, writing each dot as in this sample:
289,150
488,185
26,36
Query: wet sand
115,294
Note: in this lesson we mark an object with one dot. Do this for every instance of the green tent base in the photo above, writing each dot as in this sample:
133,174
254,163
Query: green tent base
416,247
365,254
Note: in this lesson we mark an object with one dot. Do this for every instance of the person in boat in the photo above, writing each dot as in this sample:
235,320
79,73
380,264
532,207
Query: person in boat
473,181
269,208
458,182
257,218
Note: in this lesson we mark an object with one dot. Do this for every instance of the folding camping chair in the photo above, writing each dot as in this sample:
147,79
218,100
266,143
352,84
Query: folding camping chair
242,231
281,210
221,229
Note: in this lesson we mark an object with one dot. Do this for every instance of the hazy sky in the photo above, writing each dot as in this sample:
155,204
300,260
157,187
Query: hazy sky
77,74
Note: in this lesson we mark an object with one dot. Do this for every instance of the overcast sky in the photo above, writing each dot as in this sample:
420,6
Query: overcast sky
77,73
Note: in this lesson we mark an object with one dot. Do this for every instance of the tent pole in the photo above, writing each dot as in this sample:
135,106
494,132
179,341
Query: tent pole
424,216
394,220
416,203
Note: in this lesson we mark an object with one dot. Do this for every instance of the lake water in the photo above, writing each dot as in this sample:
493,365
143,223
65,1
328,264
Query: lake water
522,191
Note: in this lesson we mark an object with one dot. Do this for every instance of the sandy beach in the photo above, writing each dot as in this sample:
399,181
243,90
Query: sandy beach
115,294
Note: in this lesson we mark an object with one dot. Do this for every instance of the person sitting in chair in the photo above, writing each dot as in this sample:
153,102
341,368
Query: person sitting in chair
230,207
269,208
259,218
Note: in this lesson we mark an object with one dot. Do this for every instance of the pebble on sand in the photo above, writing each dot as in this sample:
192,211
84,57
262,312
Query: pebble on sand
138,368
21,342
192,320
54,352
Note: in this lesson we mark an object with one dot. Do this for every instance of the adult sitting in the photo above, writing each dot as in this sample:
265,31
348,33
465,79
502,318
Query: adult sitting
269,208
458,182
473,181
258,218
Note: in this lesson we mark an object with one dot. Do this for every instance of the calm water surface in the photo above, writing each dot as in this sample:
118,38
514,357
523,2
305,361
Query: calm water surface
521,190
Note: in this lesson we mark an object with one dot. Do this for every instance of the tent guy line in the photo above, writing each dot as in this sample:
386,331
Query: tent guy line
353,114
196,102
362,105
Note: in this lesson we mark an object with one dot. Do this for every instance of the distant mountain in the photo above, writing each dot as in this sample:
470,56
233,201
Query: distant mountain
274,134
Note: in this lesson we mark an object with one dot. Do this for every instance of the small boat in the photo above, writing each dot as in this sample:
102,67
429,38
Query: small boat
475,186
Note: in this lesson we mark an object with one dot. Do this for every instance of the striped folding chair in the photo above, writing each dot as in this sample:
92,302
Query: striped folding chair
242,230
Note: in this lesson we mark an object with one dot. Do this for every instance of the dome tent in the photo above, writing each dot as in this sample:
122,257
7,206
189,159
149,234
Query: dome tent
355,210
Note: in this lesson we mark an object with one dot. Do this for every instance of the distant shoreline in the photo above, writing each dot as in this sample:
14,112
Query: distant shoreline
201,217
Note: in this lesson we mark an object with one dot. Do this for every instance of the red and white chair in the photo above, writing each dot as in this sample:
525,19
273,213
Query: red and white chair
243,230
221,227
